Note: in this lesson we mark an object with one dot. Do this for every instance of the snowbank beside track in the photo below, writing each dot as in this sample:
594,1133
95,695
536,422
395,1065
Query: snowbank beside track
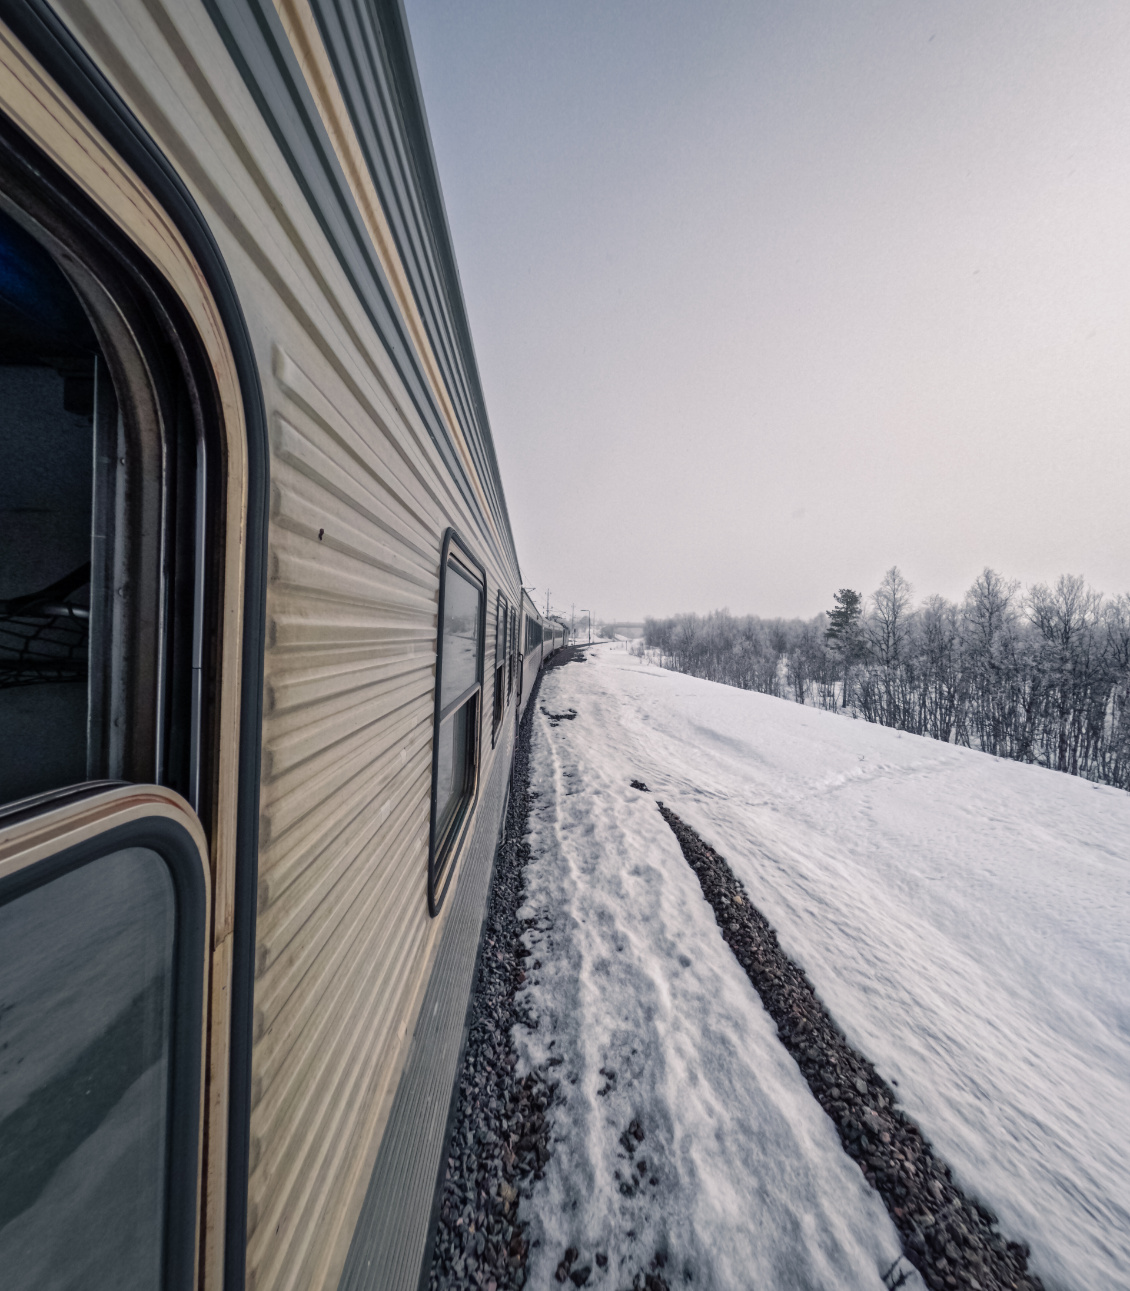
689,1149
964,919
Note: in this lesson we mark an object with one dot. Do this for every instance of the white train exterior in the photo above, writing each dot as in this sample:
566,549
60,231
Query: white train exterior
263,647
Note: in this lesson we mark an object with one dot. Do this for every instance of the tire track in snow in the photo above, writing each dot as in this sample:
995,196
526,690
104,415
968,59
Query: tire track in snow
951,1240
652,1031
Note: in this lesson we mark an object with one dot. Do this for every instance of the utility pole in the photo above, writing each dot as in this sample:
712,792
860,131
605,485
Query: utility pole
547,602
572,621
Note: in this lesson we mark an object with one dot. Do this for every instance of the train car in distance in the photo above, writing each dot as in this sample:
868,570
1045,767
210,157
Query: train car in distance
263,648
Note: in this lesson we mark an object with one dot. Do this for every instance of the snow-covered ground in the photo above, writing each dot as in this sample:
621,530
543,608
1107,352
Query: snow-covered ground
966,920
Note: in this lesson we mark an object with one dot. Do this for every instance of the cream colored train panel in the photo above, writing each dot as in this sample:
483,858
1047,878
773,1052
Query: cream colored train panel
299,621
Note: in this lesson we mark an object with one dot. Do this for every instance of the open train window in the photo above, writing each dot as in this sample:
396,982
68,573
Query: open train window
501,625
101,503
49,370
458,705
108,614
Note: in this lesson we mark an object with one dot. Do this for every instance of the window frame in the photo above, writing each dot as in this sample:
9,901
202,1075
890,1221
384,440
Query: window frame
170,253
127,276
501,654
443,851
85,824
149,711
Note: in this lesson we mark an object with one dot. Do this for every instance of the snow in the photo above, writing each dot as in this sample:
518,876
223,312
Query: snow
966,921
752,1187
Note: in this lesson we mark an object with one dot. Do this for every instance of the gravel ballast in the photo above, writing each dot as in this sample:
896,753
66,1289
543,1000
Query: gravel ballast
952,1240
500,1137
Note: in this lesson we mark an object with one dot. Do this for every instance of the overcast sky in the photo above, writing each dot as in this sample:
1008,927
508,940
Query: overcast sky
768,297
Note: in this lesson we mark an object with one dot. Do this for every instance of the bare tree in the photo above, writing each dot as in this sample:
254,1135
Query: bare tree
887,630
941,689
1040,678
1071,670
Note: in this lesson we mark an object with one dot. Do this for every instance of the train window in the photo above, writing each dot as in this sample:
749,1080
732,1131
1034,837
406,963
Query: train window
101,951
459,686
48,373
99,479
501,623
510,653
107,612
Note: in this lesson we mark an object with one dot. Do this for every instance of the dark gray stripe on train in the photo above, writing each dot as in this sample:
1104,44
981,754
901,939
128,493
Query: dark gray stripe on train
391,1237
254,36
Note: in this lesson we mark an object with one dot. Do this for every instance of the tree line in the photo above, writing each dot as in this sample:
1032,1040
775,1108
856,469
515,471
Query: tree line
1040,676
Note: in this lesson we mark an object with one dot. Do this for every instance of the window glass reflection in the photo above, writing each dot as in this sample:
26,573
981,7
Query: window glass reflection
47,396
85,1025
453,766
461,602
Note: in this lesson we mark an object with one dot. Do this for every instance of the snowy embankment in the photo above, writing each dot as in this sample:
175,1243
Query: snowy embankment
964,919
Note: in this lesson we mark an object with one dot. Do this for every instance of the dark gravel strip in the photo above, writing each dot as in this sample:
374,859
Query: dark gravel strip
500,1138
952,1240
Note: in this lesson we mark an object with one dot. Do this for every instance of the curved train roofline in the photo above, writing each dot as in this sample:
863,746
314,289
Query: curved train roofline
263,660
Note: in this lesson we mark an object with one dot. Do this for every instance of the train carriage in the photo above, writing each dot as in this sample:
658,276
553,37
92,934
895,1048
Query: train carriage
263,647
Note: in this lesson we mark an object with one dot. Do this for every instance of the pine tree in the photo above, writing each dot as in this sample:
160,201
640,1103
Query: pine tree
843,622
844,635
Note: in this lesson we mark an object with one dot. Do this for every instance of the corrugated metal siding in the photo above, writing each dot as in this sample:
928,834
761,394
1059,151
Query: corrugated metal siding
388,1245
343,934
360,499
344,941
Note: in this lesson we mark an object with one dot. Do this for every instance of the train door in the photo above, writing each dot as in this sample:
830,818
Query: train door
107,628
520,647
511,654
501,653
